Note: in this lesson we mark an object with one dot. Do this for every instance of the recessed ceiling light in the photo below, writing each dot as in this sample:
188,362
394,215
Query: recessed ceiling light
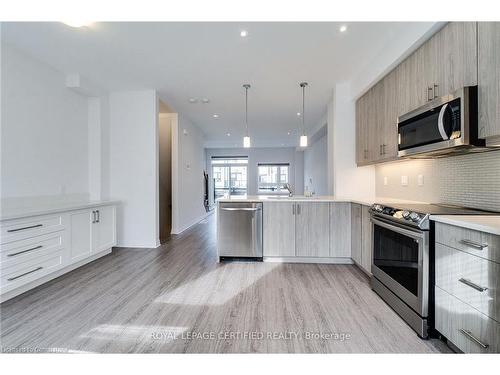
205,100
228,134
77,23
298,113
343,28
243,33
192,100
288,133
216,115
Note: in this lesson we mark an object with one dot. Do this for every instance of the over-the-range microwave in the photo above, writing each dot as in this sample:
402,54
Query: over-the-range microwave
444,126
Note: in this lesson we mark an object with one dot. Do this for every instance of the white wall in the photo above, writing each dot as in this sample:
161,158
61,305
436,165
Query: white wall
133,166
44,149
258,155
188,164
316,167
347,179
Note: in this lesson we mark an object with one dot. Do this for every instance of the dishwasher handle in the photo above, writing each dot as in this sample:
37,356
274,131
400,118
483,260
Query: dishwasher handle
241,209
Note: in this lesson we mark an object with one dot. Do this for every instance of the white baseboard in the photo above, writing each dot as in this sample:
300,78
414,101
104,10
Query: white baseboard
193,222
13,293
308,260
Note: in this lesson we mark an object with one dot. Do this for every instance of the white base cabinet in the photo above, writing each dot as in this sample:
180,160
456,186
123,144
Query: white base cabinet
36,249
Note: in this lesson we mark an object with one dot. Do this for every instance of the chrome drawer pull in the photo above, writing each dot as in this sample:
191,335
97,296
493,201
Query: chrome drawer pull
473,244
25,251
24,274
24,228
475,339
472,285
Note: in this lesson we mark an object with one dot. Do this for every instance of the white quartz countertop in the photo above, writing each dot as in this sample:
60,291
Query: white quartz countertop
316,198
482,223
44,208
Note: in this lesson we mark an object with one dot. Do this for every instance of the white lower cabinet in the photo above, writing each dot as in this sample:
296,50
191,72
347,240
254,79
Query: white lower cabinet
279,229
35,249
312,229
340,230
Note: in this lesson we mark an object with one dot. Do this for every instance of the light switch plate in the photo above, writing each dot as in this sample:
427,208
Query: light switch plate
386,182
420,180
404,180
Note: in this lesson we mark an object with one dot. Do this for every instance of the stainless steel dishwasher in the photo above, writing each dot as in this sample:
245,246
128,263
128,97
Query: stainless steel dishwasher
239,231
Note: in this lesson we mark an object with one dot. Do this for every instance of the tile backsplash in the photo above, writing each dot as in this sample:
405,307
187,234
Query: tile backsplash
471,180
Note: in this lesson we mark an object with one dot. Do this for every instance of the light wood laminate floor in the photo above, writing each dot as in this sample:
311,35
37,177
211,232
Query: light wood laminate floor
178,299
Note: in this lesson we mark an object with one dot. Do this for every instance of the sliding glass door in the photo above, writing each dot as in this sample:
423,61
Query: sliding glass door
230,176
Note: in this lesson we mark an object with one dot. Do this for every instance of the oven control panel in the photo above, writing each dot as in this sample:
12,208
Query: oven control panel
410,217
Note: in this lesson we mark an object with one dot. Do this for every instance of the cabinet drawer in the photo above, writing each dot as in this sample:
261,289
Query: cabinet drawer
17,252
14,230
481,244
18,275
473,280
467,328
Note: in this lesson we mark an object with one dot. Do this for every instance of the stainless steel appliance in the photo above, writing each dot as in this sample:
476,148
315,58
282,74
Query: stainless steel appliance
402,261
239,230
444,126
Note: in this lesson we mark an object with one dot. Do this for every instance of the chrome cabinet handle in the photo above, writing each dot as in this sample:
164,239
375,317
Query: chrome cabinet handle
380,149
93,217
436,91
365,154
473,285
235,209
474,338
293,208
429,94
98,216
24,228
24,251
24,274
475,245
298,209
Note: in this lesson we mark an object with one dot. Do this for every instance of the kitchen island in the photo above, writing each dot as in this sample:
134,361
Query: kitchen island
317,229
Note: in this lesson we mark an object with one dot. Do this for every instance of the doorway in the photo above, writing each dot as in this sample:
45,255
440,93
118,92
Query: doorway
230,176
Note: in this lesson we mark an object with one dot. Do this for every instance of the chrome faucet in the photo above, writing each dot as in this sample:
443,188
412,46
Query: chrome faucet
287,187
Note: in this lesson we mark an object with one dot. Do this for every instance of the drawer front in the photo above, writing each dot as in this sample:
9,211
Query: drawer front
473,280
17,252
15,230
481,244
464,326
16,276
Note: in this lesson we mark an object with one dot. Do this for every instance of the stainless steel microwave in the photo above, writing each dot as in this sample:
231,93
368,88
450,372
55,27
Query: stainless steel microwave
444,126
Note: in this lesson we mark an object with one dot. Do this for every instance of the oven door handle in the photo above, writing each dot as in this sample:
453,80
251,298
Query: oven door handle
396,228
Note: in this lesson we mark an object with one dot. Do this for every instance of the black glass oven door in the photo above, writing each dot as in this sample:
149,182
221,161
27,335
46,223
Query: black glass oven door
398,261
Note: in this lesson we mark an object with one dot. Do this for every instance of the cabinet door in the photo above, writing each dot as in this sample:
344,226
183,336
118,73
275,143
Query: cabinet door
356,232
366,238
388,126
456,57
489,79
312,237
104,230
81,234
279,229
362,156
340,229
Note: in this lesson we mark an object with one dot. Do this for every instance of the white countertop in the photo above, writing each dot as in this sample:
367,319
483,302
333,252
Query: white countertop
315,198
482,223
44,208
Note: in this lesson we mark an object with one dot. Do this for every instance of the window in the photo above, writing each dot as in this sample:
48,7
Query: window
272,178
229,176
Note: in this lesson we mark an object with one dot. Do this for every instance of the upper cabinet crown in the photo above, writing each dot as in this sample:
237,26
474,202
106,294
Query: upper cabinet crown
460,54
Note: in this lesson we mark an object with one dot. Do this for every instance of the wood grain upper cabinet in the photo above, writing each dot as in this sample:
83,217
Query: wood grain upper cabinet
279,229
489,81
455,57
312,229
388,131
340,228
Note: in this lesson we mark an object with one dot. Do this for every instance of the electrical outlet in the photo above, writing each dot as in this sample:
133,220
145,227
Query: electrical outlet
420,180
386,181
404,180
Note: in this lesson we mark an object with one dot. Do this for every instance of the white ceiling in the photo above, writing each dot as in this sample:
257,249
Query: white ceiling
183,60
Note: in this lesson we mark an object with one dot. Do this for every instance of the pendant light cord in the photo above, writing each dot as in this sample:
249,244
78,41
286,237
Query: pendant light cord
303,85
246,86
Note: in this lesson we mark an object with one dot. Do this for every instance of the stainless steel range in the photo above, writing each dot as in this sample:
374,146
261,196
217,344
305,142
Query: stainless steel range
401,257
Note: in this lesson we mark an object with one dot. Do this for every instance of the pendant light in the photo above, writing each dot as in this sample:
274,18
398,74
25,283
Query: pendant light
246,138
303,137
